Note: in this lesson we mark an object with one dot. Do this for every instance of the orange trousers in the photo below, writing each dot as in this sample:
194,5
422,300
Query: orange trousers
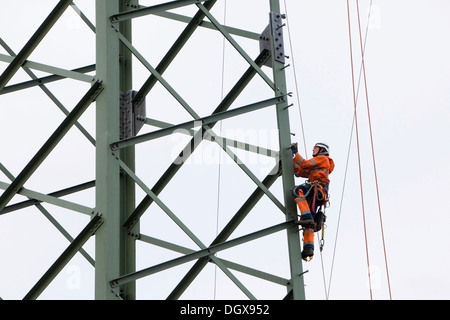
305,214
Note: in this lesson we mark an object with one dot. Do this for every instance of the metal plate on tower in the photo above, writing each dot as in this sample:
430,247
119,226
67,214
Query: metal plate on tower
272,37
132,117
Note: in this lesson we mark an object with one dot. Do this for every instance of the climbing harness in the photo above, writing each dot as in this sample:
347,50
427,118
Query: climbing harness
320,196
320,216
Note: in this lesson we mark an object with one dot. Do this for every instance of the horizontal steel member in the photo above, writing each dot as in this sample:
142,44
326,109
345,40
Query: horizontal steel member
48,79
199,254
50,144
76,75
229,142
192,145
231,265
153,9
209,25
226,232
40,197
53,195
194,123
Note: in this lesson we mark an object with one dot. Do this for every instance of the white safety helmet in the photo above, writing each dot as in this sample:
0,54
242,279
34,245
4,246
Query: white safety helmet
323,145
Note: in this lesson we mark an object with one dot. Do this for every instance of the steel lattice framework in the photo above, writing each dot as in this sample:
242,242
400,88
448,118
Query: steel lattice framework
122,194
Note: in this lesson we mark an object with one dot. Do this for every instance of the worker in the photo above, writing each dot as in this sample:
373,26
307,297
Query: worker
313,193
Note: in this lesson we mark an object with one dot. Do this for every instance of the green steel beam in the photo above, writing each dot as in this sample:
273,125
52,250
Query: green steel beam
153,9
183,227
207,252
160,203
49,69
49,199
65,257
50,144
108,246
224,235
232,277
255,273
190,147
52,97
158,76
209,25
293,239
64,232
49,216
172,53
33,42
195,123
115,193
83,17
229,264
44,80
56,194
247,171
229,142
127,185
296,284
236,45
211,119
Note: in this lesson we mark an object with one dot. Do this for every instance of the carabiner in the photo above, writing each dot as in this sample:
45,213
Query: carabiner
322,243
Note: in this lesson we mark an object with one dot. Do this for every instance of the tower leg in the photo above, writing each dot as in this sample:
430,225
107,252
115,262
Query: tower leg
296,290
110,243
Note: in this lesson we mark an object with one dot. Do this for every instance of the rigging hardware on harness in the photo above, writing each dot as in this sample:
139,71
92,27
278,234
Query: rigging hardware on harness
319,214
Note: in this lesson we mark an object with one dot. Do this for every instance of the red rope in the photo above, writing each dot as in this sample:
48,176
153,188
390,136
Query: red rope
357,142
373,152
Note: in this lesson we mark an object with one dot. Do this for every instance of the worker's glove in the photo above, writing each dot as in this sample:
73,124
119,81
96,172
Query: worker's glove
294,148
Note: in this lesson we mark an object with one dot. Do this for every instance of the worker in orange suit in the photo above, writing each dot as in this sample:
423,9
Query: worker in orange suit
317,170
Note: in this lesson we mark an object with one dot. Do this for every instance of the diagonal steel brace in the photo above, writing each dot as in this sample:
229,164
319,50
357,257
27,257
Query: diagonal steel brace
50,144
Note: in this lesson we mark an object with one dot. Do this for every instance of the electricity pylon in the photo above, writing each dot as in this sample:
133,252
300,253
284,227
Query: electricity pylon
122,111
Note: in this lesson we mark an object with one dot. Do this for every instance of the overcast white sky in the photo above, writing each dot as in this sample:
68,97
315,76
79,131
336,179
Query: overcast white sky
408,80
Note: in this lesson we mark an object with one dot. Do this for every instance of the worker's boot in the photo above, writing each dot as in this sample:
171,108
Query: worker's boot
307,254
308,244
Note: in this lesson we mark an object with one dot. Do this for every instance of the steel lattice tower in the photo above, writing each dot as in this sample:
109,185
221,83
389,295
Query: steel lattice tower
123,196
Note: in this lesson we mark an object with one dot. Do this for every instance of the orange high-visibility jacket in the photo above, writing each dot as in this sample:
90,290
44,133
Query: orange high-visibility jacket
316,169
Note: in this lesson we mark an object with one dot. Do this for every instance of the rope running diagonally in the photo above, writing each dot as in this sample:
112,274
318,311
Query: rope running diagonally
362,72
348,152
357,143
371,142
